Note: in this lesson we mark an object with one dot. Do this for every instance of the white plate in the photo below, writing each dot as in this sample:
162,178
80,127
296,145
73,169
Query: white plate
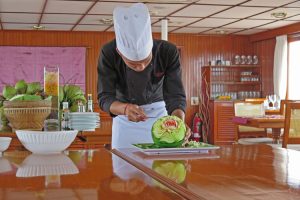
181,156
84,117
84,114
84,120
84,125
80,128
154,150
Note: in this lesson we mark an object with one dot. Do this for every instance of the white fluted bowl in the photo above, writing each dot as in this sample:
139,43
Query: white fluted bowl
4,143
5,165
45,165
46,142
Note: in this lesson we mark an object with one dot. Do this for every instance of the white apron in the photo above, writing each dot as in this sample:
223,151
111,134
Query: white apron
125,132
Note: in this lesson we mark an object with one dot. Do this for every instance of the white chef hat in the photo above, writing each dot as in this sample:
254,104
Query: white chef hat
133,31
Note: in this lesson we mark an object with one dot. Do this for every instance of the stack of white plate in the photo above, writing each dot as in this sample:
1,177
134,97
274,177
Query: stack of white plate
84,121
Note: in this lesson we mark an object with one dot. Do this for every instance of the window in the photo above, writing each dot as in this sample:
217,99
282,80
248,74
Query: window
294,71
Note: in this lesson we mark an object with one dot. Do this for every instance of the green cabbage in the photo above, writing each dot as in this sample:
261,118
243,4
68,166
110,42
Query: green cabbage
71,94
9,92
72,90
2,99
18,97
61,94
21,87
33,88
26,97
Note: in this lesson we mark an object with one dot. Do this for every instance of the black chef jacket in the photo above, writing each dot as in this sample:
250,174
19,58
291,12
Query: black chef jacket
159,81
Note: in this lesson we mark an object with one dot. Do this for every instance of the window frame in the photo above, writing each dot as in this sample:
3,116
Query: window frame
291,38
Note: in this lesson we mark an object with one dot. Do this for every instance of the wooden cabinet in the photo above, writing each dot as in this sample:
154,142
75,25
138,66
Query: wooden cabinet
236,81
222,128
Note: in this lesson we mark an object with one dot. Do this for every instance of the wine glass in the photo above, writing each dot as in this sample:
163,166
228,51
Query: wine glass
277,102
255,60
273,100
269,99
237,60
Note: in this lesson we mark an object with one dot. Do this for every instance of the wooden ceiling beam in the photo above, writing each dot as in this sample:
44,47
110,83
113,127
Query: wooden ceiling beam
290,29
42,14
1,26
86,12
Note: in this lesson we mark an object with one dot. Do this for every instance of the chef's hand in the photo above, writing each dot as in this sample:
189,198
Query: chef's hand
187,135
135,113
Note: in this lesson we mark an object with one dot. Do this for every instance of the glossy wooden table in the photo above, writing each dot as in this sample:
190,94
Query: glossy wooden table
90,175
238,172
275,122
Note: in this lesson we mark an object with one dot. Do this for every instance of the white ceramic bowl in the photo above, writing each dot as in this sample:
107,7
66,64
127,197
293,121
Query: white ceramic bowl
46,142
4,143
5,165
45,165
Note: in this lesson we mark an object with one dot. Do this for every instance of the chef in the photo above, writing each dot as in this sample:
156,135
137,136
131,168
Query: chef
139,79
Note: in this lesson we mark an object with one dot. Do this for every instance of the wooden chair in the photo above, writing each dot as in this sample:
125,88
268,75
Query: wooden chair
283,105
280,112
246,134
292,124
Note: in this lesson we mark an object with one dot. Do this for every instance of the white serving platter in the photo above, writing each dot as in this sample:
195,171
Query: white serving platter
150,148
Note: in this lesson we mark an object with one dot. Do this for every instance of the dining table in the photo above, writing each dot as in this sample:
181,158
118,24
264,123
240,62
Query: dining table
75,175
275,122
235,172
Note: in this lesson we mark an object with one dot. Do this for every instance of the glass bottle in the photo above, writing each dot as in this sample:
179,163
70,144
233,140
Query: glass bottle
81,107
65,122
90,104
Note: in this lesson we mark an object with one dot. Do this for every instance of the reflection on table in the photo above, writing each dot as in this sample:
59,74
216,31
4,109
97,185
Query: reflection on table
84,174
240,172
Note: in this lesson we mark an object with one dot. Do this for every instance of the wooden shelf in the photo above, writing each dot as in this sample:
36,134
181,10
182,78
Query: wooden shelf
236,83
238,66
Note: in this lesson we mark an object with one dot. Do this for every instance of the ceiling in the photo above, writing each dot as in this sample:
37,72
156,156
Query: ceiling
243,17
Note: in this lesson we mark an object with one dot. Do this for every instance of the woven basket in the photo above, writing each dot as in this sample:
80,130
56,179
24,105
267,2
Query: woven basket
28,115
26,104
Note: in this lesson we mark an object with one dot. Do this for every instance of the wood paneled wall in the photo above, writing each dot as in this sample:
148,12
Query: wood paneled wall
197,51
265,50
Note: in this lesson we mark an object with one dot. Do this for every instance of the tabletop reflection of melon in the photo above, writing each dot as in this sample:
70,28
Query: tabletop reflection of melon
173,170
